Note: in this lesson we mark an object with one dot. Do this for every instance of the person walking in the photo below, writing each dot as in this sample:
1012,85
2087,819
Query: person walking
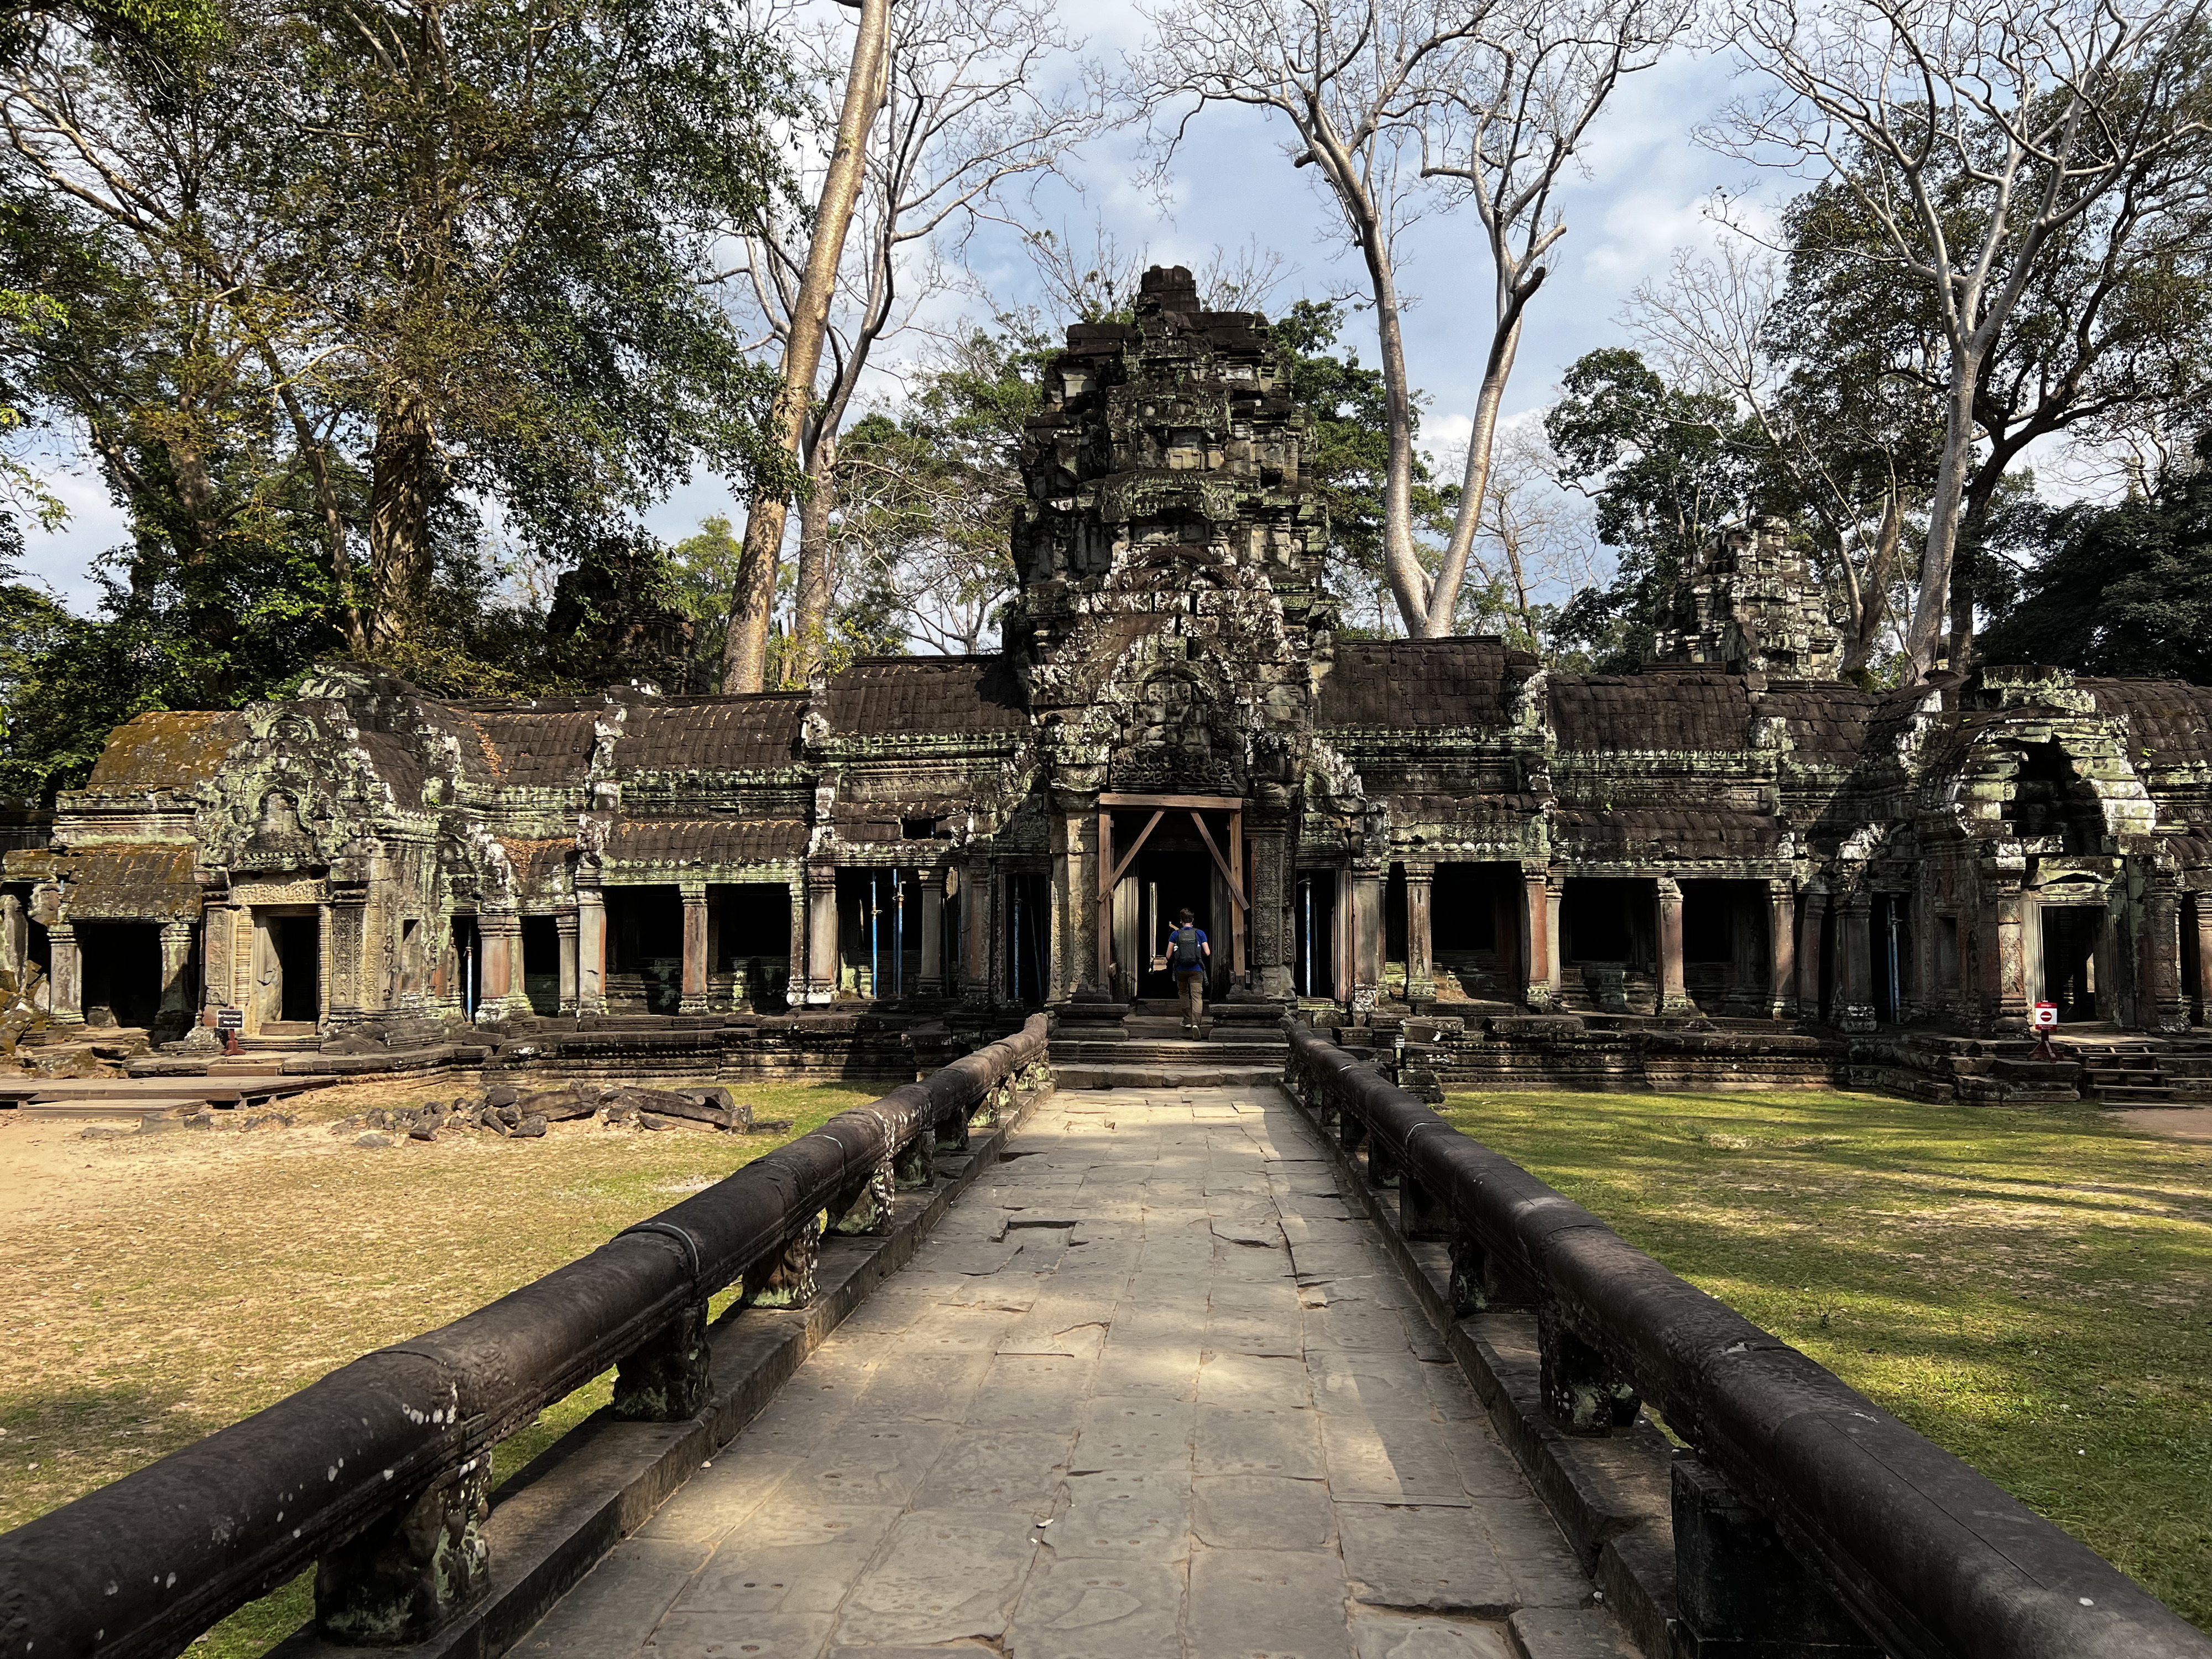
1188,953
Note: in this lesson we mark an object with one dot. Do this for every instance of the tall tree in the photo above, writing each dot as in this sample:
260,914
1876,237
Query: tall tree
975,112
752,604
1970,135
1510,129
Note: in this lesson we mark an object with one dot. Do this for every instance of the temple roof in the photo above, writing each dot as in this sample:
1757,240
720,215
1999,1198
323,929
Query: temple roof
1432,684
881,696
1673,710
166,750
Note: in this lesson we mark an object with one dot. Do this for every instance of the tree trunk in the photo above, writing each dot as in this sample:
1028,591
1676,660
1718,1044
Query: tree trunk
1874,590
399,485
810,630
1451,574
744,657
1402,569
1931,606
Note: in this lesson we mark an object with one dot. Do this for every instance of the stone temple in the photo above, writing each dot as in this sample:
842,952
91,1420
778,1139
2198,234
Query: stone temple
1730,867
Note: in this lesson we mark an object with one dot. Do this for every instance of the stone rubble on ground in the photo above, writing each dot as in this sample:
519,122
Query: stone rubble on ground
511,1113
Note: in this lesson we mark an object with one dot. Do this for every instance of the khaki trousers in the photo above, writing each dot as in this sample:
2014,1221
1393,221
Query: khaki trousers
1191,988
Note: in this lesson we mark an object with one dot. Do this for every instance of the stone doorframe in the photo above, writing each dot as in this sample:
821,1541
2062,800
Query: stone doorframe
1111,870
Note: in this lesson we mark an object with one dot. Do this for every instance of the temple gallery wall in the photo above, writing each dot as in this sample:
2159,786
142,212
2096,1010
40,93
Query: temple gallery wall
1731,852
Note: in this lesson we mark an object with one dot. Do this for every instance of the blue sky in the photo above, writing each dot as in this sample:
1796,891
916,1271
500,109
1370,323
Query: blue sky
1646,194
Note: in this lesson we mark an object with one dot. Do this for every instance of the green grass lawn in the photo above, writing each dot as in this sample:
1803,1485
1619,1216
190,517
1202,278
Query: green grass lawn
162,1289
2031,1288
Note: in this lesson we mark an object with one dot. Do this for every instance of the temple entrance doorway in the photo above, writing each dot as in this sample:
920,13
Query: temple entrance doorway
2070,937
1608,949
121,969
1159,855
288,961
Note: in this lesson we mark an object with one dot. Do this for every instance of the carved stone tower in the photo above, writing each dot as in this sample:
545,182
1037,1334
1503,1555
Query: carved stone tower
1751,607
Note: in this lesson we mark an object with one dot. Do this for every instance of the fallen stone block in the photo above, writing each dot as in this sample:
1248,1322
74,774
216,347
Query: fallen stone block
372,1138
530,1128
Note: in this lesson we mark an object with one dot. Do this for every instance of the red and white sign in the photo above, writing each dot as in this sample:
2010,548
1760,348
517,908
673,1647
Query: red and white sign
2046,1015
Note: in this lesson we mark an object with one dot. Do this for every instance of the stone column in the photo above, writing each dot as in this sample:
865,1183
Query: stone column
2202,943
15,935
1072,936
1780,952
591,948
68,974
176,965
976,933
1540,988
564,926
345,949
501,993
1816,900
2161,1006
2004,955
821,933
692,997
1271,948
1674,996
1854,961
1421,976
932,983
1366,938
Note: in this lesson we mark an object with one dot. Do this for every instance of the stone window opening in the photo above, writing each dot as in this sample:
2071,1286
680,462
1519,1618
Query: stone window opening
645,937
541,965
749,945
121,966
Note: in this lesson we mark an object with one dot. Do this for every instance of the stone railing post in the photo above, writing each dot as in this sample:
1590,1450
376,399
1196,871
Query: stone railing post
414,1568
1738,1588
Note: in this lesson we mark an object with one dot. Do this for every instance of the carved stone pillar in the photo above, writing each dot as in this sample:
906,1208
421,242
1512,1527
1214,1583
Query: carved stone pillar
1808,954
1539,989
67,972
591,948
932,983
176,970
1674,994
1855,961
345,951
1075,911
821,932
2004,954
1420,976
15,935
2202,943
500,995
2161,1008
1366,937
692,997
565,926
976,933
1780,952
1272,946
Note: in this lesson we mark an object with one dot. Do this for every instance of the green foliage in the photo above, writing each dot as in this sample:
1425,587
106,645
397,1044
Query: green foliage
2123,590
1666,466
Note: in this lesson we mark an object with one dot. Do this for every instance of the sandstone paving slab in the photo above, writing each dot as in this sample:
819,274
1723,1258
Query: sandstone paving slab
1012,1469
1380,1634
620,1602
1135,1431
714,1636
928,1388
1161,1369
870,1461
715,1500
1438,1560
1569,1634
1228,1379
1262,1440
942,1575
1085,1608
1262,1512
1363,1383
1391,1459
1243,1330
1126,1513
1279,1604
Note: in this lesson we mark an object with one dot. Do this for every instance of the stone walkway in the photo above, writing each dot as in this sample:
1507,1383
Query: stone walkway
1150,1389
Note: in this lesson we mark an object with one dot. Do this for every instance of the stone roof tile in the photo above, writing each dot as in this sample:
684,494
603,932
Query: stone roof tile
1459,683
943,696
166,750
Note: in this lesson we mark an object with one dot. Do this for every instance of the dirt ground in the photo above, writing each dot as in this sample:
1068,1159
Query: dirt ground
154,1287
2181,1122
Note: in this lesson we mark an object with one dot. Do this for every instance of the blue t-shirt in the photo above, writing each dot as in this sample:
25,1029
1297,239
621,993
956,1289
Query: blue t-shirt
1201,967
